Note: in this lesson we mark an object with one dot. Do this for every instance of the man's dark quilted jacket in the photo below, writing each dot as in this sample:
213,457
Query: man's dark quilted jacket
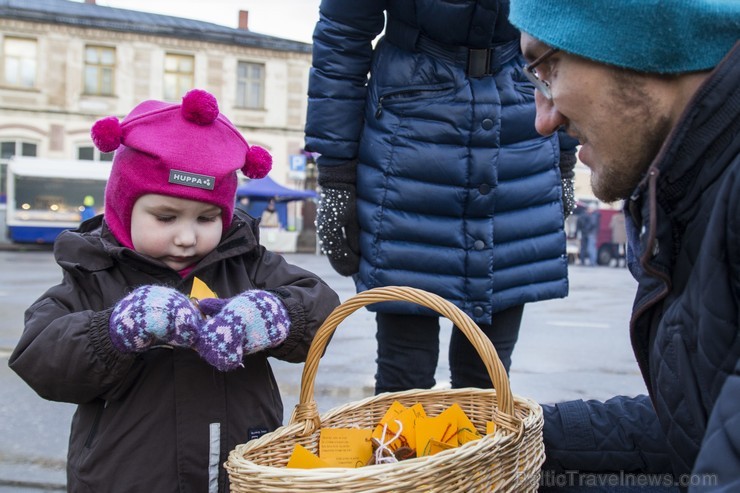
684,225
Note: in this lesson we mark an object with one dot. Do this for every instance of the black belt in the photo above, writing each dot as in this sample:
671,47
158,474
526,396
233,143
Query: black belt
477,62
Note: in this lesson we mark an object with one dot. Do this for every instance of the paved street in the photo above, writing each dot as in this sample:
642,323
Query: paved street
572,348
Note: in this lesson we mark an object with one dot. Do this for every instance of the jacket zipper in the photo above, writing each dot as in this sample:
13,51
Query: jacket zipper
95,424
650,251
652,247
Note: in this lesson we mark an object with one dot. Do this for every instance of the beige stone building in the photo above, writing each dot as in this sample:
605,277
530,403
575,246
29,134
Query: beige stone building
65,64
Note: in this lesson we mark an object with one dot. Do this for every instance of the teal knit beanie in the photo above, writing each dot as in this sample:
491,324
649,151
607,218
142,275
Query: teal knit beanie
658,36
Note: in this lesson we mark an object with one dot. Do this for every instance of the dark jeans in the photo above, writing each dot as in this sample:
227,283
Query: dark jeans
408,351
588,250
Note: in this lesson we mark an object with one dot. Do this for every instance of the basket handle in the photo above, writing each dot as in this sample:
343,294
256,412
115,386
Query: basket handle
306,410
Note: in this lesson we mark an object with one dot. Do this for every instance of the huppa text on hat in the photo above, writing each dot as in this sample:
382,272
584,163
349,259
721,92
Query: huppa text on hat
188,150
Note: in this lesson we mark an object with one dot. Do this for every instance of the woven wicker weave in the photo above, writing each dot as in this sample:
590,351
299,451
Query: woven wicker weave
508,460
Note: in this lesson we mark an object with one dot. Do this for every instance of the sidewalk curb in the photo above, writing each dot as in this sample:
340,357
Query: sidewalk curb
25,247
31,476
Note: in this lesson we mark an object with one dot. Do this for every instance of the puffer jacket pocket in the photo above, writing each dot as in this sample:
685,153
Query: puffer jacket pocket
413,78
411,96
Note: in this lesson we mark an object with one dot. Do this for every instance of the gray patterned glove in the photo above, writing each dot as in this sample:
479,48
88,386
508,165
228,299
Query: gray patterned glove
567,176
153,313
336,218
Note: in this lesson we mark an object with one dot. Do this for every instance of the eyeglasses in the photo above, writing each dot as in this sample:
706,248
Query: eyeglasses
531,72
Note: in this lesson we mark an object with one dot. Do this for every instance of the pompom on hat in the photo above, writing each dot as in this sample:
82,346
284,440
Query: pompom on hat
188,150
652,36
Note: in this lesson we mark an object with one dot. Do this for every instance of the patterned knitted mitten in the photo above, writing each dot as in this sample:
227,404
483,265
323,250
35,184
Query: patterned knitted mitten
153,313
247,323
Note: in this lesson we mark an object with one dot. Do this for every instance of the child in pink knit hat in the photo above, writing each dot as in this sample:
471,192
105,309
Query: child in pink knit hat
166,387
189,151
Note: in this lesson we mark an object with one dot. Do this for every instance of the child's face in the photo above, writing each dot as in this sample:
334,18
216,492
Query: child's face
179,232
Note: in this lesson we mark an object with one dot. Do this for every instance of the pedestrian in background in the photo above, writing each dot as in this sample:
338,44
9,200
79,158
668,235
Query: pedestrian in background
587,227
164,393
652,91
433,176
87,211
619,239
269,217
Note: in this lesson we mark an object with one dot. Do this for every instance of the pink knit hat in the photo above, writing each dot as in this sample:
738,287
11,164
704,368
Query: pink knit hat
187,150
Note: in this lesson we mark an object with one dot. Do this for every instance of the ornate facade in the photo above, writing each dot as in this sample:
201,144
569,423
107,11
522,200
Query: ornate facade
65,64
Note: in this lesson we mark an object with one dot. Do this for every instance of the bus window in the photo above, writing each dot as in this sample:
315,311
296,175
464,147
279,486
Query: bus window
47,196
54,199
8,149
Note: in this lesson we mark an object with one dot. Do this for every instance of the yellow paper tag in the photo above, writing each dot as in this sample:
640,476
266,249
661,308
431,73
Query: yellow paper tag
389,419
466,431
490,427
407,416
408,420
440,428
435,447
200,290
345,447
302,458
392,413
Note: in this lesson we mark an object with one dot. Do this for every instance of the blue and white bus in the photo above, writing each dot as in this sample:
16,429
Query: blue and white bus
47,196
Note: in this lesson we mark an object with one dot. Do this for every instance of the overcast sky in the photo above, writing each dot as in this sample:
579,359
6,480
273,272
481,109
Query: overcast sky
291,19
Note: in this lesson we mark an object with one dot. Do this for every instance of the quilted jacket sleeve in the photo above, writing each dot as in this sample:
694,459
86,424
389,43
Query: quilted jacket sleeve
719,455
65,353
342,52
621,434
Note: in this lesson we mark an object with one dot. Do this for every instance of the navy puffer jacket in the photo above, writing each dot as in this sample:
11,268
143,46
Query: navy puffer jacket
457,193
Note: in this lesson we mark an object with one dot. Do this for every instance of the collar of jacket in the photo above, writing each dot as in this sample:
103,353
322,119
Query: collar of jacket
690,159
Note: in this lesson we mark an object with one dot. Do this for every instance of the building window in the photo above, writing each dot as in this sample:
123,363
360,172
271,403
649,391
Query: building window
8,149
100,65
19,57
178,75
250,85
91,153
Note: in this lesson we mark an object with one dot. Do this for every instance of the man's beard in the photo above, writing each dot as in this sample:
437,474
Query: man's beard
618,178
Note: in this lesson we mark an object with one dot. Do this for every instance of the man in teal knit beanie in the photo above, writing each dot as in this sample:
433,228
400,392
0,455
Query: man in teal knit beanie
651,89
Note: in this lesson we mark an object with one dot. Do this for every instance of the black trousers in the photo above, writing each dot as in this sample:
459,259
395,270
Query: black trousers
408,351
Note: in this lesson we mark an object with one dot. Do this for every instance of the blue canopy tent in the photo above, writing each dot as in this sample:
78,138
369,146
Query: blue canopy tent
260,192
266,188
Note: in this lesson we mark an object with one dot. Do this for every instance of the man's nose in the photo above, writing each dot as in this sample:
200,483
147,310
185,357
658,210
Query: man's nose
548,118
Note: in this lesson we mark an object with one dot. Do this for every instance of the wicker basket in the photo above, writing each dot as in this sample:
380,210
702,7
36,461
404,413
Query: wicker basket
508,460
